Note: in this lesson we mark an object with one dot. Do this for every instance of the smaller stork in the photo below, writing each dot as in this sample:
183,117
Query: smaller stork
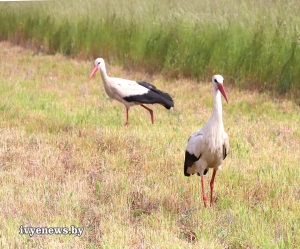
208,147
131,92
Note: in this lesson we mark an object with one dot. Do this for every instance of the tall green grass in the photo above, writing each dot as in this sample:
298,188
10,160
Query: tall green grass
255,44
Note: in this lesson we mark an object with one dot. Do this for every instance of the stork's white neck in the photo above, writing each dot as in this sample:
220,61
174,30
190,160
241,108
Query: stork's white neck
214,127
103,73
217,109
107,82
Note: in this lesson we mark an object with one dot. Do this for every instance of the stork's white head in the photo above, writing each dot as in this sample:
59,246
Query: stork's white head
217,81
99,63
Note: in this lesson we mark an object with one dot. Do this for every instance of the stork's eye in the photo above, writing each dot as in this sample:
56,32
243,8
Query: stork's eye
215,80
99,62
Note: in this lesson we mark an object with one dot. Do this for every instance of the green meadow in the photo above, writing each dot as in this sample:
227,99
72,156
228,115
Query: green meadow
254,43
67,159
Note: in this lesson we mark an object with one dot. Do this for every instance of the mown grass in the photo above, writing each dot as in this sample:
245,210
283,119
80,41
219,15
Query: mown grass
67,159
255,44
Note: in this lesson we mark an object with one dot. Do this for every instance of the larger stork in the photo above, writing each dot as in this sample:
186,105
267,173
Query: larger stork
208,147
131,92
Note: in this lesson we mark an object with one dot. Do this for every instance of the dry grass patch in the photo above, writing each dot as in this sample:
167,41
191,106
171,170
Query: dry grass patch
66,158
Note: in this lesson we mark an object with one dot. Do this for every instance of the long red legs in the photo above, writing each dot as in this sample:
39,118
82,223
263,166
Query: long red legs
203,191
127,122
151,113
212,186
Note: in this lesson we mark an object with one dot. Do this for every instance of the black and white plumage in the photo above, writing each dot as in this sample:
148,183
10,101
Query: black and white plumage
131,92
209,146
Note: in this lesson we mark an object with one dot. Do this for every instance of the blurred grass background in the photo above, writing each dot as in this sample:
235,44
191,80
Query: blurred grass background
254,44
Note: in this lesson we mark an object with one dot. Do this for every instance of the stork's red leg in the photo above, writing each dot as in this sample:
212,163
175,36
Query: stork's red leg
127,122
203,191
151,113
212,186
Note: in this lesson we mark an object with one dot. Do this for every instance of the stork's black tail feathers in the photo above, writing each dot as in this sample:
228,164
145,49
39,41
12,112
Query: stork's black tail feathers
166,100
156,96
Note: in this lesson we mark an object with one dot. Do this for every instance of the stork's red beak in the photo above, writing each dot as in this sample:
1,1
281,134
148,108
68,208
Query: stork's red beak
93,72
221,89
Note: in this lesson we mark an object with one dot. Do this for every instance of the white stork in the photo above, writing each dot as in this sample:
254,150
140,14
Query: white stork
131,92
208,147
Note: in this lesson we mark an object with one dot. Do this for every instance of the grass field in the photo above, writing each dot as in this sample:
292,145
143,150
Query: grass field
67,159
255,44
